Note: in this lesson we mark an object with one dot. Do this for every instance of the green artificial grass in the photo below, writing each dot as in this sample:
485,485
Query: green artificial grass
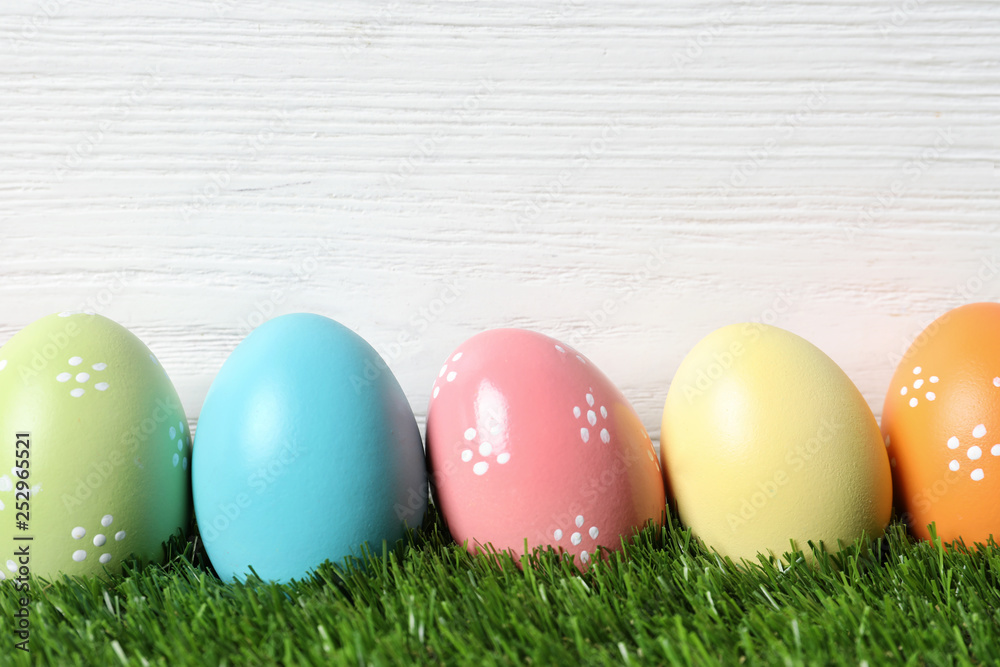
665,600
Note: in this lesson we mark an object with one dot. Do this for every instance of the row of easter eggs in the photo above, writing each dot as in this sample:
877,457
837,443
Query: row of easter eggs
307,448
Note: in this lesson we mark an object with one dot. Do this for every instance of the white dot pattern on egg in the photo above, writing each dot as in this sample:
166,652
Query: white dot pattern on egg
3,364
82,377
918,384
590,417
578,533
972,453
561,350
486,451
100,539
446,375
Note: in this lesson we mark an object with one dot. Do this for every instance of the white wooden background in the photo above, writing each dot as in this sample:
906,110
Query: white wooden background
625,176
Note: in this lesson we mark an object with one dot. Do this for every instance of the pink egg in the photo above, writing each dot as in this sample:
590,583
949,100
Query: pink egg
527,440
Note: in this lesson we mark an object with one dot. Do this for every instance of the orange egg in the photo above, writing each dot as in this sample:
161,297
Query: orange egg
941,424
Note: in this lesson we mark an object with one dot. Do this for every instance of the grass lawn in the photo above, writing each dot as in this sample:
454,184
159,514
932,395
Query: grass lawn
665,601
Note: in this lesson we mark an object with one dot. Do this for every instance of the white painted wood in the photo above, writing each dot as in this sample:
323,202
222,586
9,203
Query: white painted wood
188,165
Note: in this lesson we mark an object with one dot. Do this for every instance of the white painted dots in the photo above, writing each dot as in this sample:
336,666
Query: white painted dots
99,540
577,537
973,453
178,459
918,384
591,418
445,375
561,350
485,450
3,364
82,377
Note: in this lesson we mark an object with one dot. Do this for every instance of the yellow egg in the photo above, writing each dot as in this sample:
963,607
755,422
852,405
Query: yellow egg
766,441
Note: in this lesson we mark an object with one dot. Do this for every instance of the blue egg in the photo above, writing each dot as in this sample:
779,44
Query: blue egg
305,450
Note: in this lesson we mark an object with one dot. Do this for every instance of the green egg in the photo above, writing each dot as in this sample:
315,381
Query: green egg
94,449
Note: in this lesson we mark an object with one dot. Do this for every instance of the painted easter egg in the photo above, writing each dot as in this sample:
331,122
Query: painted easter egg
306,450
531,445
941,422
766,441
94,448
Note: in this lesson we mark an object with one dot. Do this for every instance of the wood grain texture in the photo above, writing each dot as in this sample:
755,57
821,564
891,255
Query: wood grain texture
625,176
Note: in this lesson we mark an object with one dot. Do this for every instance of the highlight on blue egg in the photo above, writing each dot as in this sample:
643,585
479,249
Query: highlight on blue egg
306,449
